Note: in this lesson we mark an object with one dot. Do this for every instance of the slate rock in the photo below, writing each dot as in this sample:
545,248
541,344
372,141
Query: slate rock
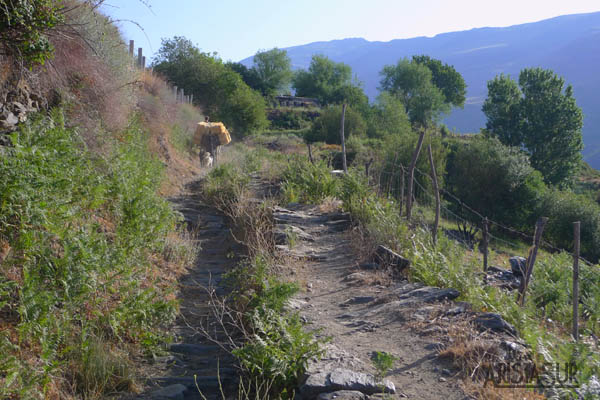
343,395
343,379
171,392
460,308
9,121
192,349
369,266
494,322
517,265
386,256
430,294
495,270
315,384
514,351
338,216
282,233
358,300
203,382
339,225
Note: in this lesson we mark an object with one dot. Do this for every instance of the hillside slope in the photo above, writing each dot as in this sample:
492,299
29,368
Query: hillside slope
569,45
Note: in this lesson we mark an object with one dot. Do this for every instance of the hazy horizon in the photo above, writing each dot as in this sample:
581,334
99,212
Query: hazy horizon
236,31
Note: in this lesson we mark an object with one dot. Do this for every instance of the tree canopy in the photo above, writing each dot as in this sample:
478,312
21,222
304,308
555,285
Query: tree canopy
273,70
541,116
445,78
330,82
502,110
412,84
220,90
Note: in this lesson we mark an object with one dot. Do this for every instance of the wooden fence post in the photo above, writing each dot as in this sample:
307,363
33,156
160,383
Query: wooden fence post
310,157
437,195
140,56
192,98
576,238
411,174
484,243
343,139
143,62
131,48
175,93
539,229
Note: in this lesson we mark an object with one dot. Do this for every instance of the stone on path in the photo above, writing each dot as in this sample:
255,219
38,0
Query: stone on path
494,322
343,379
171,392
343,395
386,256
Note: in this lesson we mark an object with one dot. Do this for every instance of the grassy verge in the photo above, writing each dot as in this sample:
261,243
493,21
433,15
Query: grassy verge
543,322
84,278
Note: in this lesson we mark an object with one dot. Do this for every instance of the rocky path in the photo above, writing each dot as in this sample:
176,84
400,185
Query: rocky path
348,304
358,306
191,362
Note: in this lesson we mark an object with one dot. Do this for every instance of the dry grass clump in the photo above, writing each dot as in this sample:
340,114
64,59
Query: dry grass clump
470,350
478,355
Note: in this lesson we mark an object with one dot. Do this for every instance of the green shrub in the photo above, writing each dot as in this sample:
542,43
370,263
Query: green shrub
387,117
280,351
308,183
495,180
224,185
82,231
397,154
563,208
290,119
326,128
24,25
275,348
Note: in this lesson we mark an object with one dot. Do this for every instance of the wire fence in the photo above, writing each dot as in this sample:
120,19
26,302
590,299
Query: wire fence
139,62
387,185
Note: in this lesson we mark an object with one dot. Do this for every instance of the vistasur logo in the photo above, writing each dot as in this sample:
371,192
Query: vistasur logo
532,376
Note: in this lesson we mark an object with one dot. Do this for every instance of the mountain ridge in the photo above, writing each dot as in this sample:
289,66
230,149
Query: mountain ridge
568,44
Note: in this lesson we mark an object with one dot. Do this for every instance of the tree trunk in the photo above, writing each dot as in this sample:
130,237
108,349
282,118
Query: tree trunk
437,196
411,174
310,157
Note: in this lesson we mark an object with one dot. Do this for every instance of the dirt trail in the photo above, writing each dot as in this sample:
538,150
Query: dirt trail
172,376
340,299
362,317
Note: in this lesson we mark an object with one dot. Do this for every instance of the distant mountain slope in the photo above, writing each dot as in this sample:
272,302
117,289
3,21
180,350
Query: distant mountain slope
569,45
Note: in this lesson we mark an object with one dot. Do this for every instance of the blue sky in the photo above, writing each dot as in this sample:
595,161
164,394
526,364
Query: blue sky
237,29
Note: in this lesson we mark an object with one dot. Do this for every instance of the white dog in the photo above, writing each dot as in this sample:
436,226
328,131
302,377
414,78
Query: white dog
206,160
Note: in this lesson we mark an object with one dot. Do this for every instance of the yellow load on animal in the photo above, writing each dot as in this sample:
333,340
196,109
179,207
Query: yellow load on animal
216,129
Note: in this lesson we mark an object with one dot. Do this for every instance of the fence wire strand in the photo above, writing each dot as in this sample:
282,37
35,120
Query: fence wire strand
463,205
